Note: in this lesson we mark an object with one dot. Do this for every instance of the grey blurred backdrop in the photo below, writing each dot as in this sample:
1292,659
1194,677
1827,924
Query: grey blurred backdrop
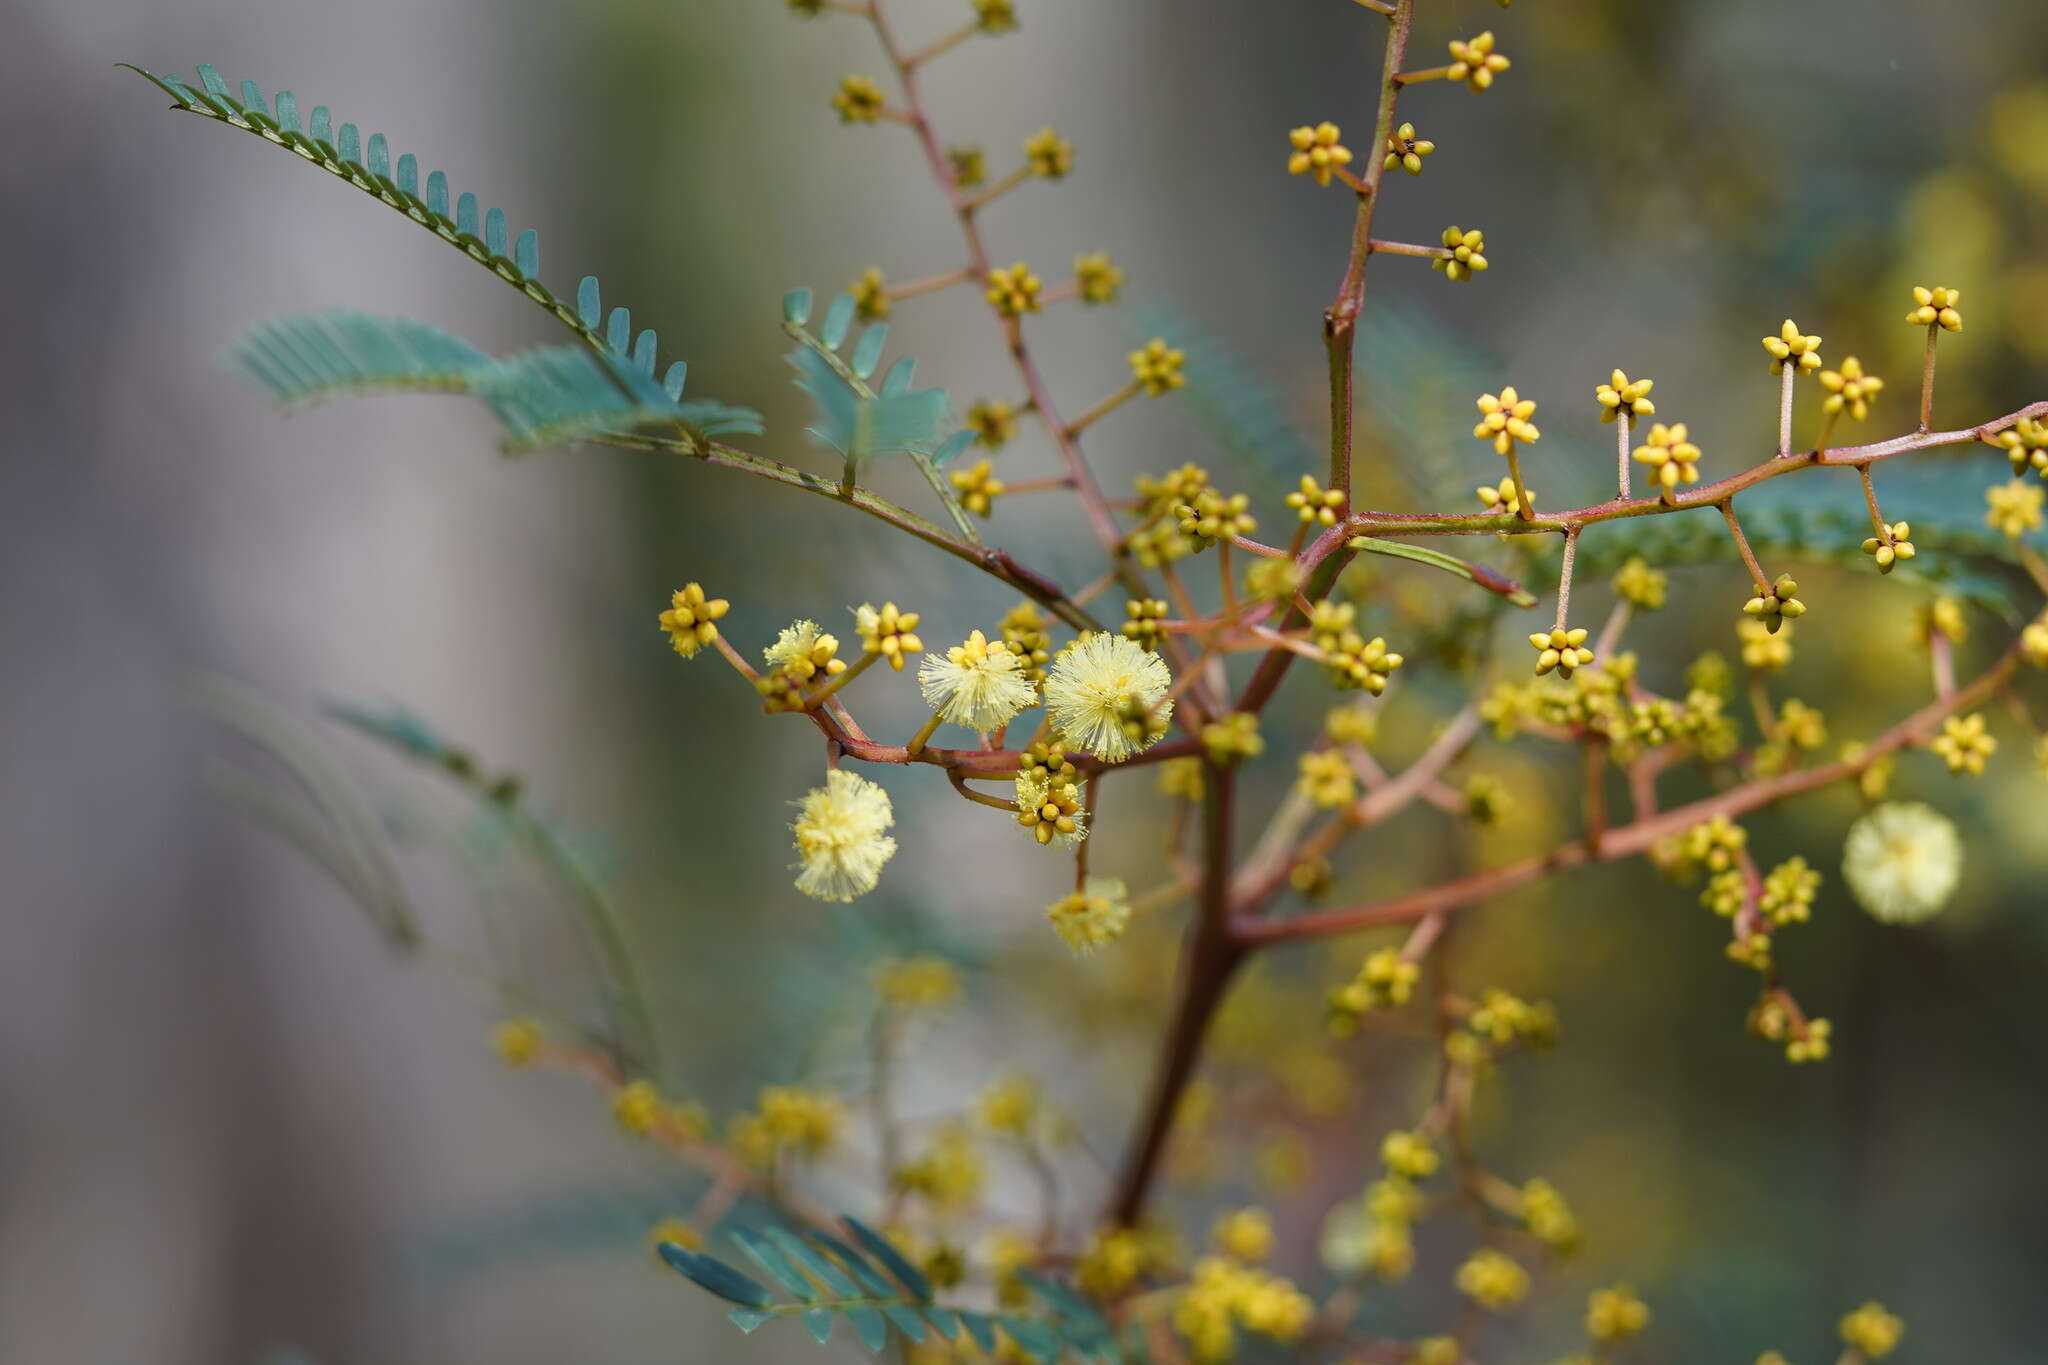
229,1122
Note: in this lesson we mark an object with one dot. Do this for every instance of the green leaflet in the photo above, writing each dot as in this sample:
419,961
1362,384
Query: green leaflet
546,396
829,1279
484,235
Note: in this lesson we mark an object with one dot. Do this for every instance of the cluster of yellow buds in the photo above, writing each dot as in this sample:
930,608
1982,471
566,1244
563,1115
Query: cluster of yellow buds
1157,367
1891,547
1096,915
871,295
948,1175
639,1109
1810,1044
1562,649
888,632
1474,61
1327,779
1465,253
1764,649
1776,604
993,422
800,653
977,487
789,1120
1671,457
2034,642
1964,744
1318,151
1142,618
1014,290
1048,154
1615,1314
1213,517
1501,1018
1936,307
1244,1234
1024,631
1314,503
859,100
1943,616
1849,389
1789,892
2014,507
1051,809
1872,1332
1097,278
1274,580
1385,980
968,165
1492,1279
1790,347
1486,799
1406,150
2026,445
1504,420
1641,586
1726,893
1408,1155
691,619
1350,659
1506,500
1233,738
1547,1216
1224,1295
924,982
1621,396
518,1042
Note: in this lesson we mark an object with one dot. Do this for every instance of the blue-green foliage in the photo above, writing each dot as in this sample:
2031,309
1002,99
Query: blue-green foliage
854,419
866,1281
1238,407
538,403
545,396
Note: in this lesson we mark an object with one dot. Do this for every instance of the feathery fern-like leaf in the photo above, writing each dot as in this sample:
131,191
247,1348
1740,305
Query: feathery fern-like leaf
547,396
484,235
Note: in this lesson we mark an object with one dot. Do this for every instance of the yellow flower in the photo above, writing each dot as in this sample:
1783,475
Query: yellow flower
1615,1314
1492,1280
1317,152
637,1107
1964,744
1050,807
1101,689
1791,348
839,836
1621,394
1406,150
859,100
1157,367
993,422
2015,507
1936,307
1245,1234
2034,643
948,1175
977,487
1097,277
1562,649
1014,290
977,684
804,650
1671,458
1095,915
1048,154
888,632
1233,738
689,619
1504,420
1871,1330
870,295
1547,1216
1902,862
1314,503
788,1119
1466,258
1812,1045
518,1041
1474,61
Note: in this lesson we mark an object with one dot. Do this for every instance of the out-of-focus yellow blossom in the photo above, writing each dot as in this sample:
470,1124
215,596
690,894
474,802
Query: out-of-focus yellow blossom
1097,277
977,487
859,100
2014,508
993,422
917,983
1013,290
871,295
788,1120
1763,649
1641,586
1233,738
1244,1234
1095,915
1965,744
518,1041
1615,1314
1492,1280
1156,367
1048,154
1408,1154
1872,1331
1327,779
1010,1106
1547,1216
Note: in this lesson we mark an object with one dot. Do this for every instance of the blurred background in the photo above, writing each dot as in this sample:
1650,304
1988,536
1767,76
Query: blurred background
232,1124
